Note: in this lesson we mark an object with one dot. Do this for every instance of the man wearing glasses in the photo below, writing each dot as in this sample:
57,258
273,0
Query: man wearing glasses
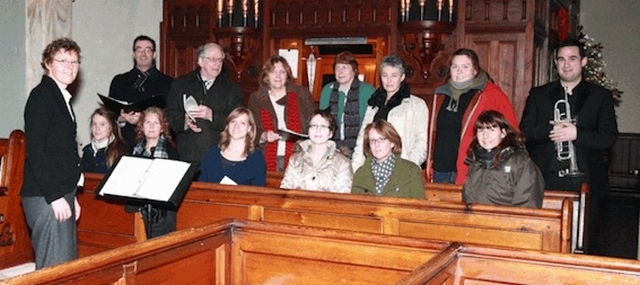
213,96
142,82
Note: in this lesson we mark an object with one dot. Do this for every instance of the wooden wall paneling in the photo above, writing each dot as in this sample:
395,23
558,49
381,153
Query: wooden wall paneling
503,56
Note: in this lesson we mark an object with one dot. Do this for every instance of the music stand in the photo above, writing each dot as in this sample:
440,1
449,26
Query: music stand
151,182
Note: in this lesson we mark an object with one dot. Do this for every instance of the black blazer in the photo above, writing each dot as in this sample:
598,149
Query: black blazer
593,108
52,165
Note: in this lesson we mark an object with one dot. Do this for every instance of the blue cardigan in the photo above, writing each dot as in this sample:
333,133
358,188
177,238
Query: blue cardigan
252,171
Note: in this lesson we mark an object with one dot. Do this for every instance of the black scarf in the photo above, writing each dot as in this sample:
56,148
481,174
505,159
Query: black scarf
350,117
379,97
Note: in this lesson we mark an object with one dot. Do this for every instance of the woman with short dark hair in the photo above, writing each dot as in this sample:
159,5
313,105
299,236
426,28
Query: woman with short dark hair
318,165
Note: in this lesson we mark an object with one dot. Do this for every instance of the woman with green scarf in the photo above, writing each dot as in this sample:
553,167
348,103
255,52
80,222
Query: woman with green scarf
468,92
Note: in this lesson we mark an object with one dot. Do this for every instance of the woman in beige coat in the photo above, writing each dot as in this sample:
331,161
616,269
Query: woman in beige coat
317,165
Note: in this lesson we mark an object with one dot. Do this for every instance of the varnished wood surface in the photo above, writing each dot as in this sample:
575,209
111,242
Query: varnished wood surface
545,229
242,252
15,245
468,264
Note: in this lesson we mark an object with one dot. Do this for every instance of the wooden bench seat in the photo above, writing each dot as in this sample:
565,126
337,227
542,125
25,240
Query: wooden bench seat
467,264
15,245
543,229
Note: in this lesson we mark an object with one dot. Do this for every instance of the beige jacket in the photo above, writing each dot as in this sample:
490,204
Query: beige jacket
410,119
333,174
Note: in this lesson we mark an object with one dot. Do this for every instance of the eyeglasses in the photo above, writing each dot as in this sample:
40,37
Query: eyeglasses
144,50
213,59
376,141
318,127
67,62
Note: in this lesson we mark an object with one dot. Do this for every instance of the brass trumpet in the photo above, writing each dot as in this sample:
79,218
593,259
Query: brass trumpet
565,150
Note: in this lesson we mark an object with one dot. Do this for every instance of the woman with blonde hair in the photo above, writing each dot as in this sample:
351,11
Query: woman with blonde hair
235,159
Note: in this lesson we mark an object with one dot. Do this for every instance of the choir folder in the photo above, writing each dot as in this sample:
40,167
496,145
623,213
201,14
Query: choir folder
155,181
116,105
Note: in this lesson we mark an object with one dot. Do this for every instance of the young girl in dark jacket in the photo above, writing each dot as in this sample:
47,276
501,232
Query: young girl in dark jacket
500,169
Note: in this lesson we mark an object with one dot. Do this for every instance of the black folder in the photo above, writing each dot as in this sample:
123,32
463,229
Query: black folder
116,105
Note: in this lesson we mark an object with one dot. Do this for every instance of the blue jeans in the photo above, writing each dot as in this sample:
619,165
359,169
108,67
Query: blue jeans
444,177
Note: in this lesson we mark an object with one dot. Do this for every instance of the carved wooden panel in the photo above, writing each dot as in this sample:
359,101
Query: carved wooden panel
503,56
322,18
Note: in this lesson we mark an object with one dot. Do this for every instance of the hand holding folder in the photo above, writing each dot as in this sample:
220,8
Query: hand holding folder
116,105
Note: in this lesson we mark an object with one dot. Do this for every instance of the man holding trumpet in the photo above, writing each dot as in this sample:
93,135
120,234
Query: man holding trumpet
569,124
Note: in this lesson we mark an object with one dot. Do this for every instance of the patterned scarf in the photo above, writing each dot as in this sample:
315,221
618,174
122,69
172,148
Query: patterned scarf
379,98
382,171
159,151
292,119
142,78
351,115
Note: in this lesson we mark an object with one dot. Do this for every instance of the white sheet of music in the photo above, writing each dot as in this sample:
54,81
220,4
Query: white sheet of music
153,179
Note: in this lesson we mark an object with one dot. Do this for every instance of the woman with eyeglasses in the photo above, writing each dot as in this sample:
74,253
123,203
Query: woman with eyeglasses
51,168
500,169
385,172
318,165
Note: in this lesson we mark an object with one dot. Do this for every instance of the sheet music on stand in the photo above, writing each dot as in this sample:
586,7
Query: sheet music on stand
156,181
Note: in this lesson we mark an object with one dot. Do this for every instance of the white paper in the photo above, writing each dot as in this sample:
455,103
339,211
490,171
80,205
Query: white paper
227,181
153,179
190,104
291,55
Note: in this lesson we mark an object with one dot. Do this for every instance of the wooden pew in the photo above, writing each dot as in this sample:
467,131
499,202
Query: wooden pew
242,252
467,264
15,244
245,252
543,229
553,199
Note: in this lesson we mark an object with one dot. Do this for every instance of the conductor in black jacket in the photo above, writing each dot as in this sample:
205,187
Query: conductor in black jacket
592,131
52,165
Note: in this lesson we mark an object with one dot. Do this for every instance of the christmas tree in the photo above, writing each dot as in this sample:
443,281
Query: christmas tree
593,71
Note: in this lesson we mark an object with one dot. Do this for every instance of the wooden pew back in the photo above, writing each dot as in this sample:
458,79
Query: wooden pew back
205,203
15,245
241,252
542,229
553,199
468,264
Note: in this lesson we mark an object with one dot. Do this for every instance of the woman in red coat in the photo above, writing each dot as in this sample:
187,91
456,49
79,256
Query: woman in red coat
468,92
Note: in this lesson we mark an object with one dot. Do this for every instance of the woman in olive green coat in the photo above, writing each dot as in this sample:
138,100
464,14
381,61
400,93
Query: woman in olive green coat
384,172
